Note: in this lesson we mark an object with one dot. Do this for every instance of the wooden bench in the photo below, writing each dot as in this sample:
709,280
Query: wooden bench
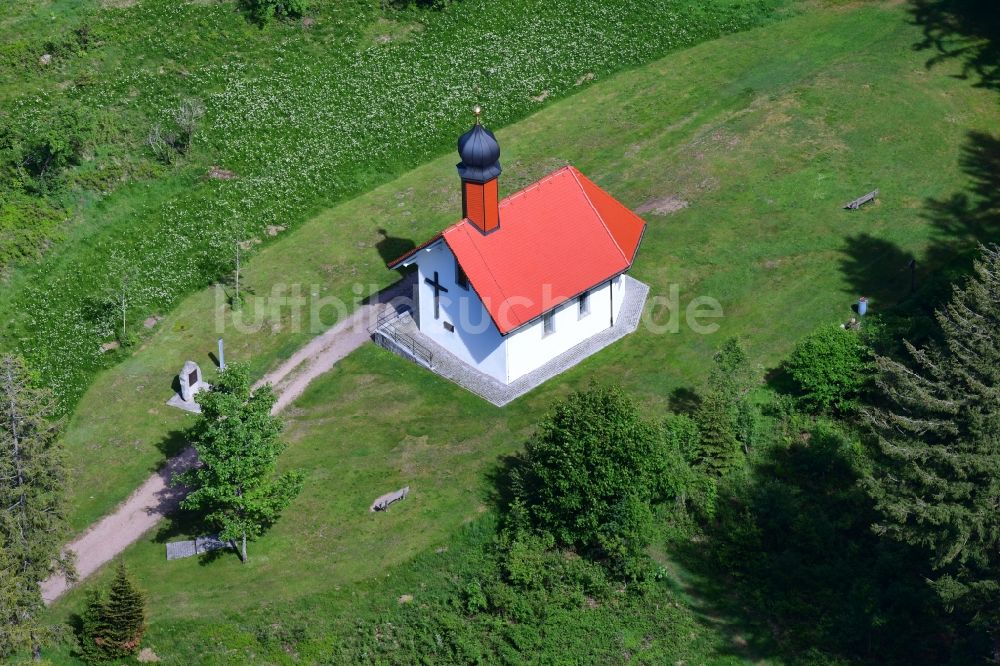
861,201
383,502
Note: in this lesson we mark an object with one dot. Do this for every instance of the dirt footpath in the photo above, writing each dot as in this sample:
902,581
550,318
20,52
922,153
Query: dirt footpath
155,498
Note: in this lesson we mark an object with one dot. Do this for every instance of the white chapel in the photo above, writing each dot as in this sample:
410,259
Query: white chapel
520,281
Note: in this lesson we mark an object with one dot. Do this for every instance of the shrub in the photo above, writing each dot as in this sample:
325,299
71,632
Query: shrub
26,223
56,144
590,473
831,366
265,10
681,436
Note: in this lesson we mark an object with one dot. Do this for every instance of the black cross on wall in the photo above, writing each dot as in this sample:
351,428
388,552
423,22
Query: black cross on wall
438,288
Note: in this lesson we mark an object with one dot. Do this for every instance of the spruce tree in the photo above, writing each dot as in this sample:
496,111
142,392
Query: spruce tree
734,376
238,444
13,631
726,417
32,501
93,629
937,430
123,617
718,449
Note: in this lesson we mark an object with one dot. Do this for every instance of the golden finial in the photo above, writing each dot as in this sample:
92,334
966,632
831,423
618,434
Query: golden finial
477,111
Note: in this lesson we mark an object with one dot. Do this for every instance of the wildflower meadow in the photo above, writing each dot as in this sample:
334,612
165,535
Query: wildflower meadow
301,114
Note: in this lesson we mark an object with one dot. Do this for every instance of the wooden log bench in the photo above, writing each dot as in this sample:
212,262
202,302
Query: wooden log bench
861,201
383,502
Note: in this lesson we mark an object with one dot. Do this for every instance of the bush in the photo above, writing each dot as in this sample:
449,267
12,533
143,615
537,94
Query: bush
26,224
590,473
57,143
265,10
831,366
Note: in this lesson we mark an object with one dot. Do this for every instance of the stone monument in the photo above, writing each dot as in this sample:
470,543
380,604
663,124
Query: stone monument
192,382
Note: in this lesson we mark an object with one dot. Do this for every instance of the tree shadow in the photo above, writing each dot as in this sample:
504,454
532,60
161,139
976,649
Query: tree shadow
684,400
75,625
877,269
181,525
172,444
965,30
780,380
791,560
101,311
391,248
959,223
500,491
966,219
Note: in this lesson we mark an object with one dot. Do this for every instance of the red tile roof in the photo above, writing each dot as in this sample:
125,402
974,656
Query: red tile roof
557,238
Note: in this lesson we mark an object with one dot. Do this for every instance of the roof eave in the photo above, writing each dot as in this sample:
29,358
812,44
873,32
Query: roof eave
563,302
402,260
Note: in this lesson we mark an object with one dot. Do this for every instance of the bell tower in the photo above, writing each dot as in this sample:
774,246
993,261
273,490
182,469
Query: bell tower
479,169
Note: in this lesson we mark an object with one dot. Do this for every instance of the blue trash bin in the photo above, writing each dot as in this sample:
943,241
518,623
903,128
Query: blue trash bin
862,305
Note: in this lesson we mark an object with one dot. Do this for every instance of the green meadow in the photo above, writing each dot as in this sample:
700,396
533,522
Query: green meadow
105,193
749,145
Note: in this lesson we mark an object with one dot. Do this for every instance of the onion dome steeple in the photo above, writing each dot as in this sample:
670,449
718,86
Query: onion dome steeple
480,153
479,169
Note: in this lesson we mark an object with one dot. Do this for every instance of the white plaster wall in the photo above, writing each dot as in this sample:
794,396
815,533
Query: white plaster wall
618,294
476,339
529,348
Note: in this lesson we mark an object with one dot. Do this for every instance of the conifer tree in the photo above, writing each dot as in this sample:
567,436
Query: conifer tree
123,620
14,632
718,448
734,377
113,623
93,628
237,439
726,417
32,502
937,484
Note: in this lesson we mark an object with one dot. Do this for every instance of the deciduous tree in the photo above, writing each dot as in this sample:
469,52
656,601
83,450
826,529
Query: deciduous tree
831,366
238,444
590,473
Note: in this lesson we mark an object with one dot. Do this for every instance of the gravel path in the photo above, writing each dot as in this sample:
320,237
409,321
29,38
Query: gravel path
155,498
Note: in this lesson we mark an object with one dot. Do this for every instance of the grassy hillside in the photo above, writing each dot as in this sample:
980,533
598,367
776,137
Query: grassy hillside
296,115
764,135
